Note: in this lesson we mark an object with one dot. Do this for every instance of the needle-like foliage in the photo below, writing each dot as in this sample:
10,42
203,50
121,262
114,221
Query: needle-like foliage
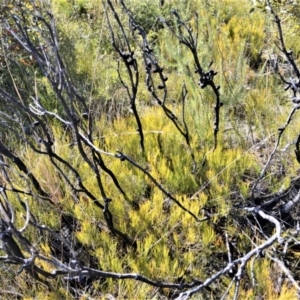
149,150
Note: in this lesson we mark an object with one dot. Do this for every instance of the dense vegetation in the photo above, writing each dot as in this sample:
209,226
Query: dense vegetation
149,149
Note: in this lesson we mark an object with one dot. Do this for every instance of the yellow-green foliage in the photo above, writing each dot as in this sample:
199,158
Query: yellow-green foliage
170,243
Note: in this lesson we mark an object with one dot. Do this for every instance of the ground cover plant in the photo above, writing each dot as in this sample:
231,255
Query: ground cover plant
149,151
